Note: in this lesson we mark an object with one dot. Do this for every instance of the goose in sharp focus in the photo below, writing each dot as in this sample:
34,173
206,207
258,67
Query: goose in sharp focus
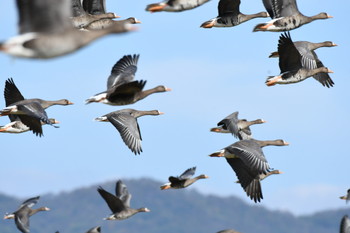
310,60
121,89
346,197
248,161
125,121
345,224
291,66
237,127
82,19
175,5
29,111
119,204
184,180
46,30
285,16
23,213
18,127
229,15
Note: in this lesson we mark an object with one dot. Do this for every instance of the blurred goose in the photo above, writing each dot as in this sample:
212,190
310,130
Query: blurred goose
119,204
248,161
183,181
175,5
125,121
269,173
103,23
23,213
94,230
121,89
229,15
31,112
310,60
46,30
237,127
18,127
228,231
290,63
346,197
345,224
82,19
285,16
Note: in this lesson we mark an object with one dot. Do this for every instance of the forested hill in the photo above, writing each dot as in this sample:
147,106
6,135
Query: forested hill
172,211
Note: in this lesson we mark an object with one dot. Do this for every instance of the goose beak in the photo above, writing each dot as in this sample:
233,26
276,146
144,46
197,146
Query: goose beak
70,103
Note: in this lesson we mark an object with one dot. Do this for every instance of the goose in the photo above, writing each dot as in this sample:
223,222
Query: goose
310,60
46,31
82,19
345,224
290,63
346,197
121,89
17,126
103,23
23,213
119,204
248,161
175,5
230,16
237,127
184,180
31,112
285,16
125,121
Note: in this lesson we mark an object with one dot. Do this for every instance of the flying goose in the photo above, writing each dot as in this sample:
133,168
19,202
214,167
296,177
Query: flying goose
17,126
237,127
310,60
46,30
175,5
285,16
31,112
125,121
291,66
121,87
184,180
230,16
23,213
248,161
119,204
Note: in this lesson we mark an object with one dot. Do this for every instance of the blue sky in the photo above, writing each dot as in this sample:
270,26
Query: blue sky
212,73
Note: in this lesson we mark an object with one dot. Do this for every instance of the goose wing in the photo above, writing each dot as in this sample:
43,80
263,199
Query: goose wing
123,71
247,178
250,153
289,56
228,7
188,173
129,130
113,202
122,193
95,7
